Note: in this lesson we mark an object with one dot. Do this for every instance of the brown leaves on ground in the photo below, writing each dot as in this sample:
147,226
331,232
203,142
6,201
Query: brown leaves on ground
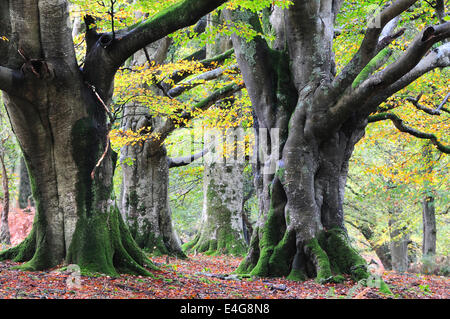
205,277
199,277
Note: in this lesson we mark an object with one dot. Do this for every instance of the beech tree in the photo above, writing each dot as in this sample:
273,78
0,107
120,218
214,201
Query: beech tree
320,115
145,128
59,112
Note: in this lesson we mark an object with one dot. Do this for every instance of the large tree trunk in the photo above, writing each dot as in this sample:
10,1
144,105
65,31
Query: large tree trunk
144,198
59,113
222,227
76,216
301,231
300,175
61,127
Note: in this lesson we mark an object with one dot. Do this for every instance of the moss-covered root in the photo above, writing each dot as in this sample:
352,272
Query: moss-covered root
103,244
225,243
343,257
251,259
22,252
320,260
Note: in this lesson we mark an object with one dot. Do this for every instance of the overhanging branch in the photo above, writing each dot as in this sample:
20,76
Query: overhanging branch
371,44
203,105
410,66
400,125
177,16
185,160
178,76
436,111
199,79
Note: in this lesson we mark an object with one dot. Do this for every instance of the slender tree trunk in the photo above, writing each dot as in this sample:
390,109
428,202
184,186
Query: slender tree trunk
221,230
25,196
398,244
428,208
5,237
429,227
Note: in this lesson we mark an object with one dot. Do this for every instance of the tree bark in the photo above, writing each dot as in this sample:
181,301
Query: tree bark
429,227
144,198
221,230
318,117
59,115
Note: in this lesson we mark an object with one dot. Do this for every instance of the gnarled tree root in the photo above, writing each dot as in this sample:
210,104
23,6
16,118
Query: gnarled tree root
326,258
100,244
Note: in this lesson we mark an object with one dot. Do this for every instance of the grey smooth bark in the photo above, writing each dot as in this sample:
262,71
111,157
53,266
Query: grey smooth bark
222,227
320,116
58,111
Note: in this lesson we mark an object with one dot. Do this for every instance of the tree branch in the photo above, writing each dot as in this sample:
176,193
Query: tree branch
399,124
179,76
203,105
178,16
437,58
371,44
199,79
436,111
410,66
185,160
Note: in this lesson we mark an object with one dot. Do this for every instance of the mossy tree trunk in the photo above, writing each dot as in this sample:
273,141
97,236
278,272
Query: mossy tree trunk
59,115
222,227
144,195
308,120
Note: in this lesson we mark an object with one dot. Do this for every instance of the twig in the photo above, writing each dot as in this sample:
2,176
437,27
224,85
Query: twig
111,119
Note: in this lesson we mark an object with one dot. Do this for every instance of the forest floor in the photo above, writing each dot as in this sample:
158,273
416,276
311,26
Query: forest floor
198,277
205,277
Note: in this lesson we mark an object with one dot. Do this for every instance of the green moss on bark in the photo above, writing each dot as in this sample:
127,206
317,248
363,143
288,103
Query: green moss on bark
344,258
217,236
281,259
321,261
103,244
270,239
296,275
